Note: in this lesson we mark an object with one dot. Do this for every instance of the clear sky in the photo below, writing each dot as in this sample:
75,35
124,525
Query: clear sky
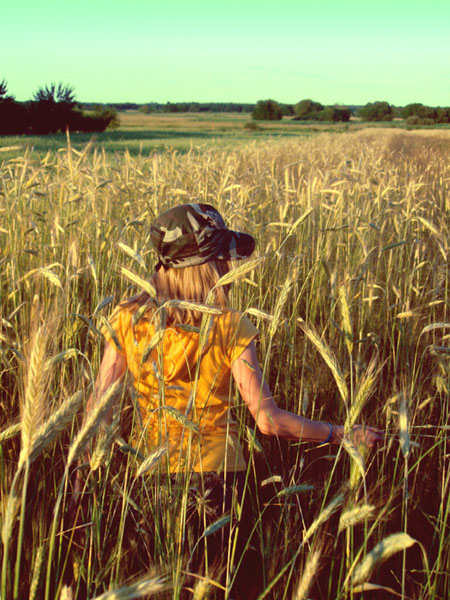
350,52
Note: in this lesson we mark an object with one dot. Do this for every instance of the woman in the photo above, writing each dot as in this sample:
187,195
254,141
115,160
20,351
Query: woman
194,247
183,362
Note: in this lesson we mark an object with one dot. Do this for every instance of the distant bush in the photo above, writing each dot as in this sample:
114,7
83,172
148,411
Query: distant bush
146,109
252,126
343,114
418,114
267,110
412,120
442,115
376,111
308,110
174,108
332,113
287,110
326,114
418,110
107,116
415,120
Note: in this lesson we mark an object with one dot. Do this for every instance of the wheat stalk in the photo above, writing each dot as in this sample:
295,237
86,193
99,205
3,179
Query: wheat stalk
54,425
362,394
324,515
434,326
201,308
34,403
310,570
10,432
103,445
178,416
405,441
93,421
299,221
142,283
144,587
66,593
9,515
133,254
201,588
353,516
346,320
239,271
37,566
281,301
156,339
151,461
383,550
357,463
328,356
260,314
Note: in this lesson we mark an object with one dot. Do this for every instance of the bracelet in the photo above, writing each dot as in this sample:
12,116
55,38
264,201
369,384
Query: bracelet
329,434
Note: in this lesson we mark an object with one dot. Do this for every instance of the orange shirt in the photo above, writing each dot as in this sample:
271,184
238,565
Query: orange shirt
184,392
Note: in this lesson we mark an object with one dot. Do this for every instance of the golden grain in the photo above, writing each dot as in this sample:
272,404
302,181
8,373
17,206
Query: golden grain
383,550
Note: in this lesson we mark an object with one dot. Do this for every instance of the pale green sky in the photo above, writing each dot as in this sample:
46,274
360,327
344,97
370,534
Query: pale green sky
234,50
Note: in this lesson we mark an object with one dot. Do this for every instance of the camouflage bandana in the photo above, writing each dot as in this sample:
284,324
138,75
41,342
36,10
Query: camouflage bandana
193,234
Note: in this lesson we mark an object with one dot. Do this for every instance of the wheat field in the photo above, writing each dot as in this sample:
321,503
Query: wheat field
351,297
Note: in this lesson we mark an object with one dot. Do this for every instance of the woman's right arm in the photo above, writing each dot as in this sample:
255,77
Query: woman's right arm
112,368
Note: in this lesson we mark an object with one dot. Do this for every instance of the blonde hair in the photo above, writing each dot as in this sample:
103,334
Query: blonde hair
193,284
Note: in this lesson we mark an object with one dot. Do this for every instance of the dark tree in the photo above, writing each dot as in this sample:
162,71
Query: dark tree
418,110
288,110
65,94
307,110
442,115
267,110
12,114
106,118
376,111
335,114
4,91
53,109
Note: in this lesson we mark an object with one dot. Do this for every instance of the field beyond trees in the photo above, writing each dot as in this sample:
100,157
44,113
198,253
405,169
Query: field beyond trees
352,301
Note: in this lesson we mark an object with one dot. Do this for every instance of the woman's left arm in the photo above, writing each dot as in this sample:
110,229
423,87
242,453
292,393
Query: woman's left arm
272,420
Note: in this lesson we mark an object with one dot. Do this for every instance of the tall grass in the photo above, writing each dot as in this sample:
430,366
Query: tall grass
352,303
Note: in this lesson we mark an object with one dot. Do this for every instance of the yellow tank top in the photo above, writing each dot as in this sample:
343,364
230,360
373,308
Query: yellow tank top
184,391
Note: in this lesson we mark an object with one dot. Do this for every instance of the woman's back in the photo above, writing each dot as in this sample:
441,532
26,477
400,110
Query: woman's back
188,375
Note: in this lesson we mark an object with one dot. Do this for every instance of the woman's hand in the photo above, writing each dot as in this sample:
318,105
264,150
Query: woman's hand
360,434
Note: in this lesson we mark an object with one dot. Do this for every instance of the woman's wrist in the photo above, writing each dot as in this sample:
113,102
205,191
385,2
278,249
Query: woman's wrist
329,438
334,436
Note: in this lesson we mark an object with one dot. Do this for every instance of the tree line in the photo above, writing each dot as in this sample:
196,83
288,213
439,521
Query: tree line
304,110
52,109
196,107
309,110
